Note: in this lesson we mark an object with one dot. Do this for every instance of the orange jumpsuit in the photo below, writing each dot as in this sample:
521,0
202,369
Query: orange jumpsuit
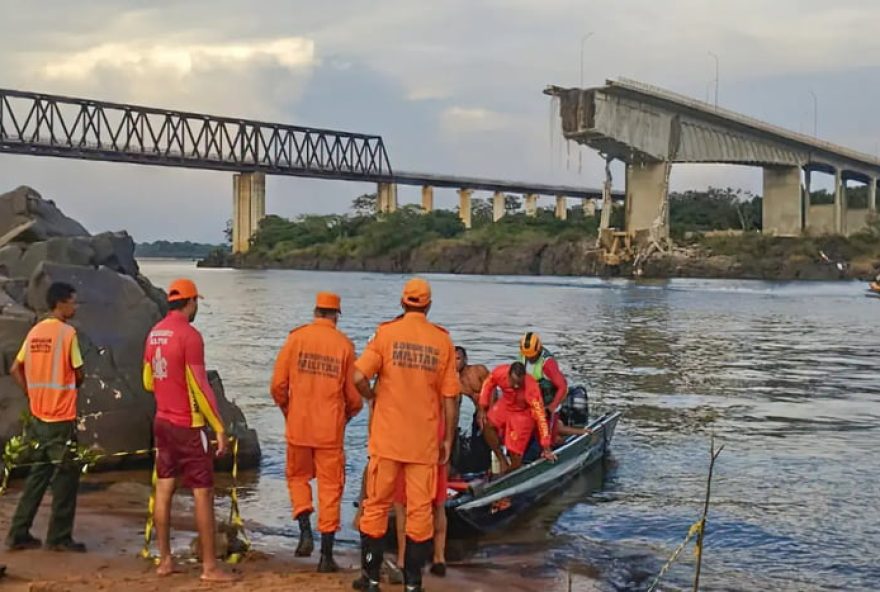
313,384
415,362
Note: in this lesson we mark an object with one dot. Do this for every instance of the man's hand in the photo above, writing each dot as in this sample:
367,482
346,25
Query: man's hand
222,444
481,418
548,454
445,451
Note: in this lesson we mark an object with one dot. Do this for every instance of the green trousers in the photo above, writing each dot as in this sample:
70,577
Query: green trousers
62,474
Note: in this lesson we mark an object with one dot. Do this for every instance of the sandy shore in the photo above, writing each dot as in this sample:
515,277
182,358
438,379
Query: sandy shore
110,521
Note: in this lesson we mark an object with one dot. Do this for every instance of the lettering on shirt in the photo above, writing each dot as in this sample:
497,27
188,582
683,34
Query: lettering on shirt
415,356
161,337
319,364
41,345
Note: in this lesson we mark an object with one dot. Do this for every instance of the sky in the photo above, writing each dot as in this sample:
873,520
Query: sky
453,87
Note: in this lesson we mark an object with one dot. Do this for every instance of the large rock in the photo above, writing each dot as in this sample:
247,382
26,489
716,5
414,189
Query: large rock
25,205
118,308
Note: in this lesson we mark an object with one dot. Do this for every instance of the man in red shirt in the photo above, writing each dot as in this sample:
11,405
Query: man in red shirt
174,369
514,416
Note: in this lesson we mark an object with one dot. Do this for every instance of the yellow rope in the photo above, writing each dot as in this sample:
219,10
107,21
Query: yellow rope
234,514
696,529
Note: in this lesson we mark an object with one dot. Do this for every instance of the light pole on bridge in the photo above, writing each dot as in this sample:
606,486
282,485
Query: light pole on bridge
717,67
815,114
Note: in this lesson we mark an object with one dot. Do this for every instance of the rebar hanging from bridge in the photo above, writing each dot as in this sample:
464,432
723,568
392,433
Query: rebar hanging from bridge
51,125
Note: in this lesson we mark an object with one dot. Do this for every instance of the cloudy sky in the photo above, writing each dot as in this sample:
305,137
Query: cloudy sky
452,86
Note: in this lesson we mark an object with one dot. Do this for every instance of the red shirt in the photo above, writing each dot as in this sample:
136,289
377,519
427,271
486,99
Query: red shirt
526,399
174,369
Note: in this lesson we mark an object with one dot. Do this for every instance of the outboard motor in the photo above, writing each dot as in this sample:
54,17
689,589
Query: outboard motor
578,402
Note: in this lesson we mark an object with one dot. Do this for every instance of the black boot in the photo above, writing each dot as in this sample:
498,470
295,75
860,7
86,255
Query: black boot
372,552
327,564
306,539
414,560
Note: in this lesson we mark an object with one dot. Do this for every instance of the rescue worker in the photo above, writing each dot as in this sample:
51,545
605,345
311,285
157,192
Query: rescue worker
313,384
471,377
514,415
541,365
417,386
49,369
174,370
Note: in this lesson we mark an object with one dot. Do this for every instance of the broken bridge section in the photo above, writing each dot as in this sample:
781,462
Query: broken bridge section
650,129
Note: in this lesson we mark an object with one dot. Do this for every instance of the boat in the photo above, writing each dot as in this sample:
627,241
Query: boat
481,505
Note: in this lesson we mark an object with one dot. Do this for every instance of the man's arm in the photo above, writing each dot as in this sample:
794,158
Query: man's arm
485,398
555,376
451,391
536,406
354,402
363,385
18,375
197,382
368,366
76,361
279,387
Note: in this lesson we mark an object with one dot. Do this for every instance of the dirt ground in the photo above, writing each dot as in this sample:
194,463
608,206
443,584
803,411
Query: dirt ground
110,522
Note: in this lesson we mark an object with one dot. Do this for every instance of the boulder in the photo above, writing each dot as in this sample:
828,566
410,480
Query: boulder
24,205
13,404
118,307
114,312
236,425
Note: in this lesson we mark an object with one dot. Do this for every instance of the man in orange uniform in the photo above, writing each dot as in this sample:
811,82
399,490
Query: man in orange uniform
514,415
174,369
49,369
313,384
417,383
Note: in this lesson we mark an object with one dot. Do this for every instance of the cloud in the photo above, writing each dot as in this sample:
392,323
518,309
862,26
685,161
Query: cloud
473,119
182,60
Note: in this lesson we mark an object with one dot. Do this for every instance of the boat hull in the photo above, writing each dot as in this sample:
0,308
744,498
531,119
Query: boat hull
498,503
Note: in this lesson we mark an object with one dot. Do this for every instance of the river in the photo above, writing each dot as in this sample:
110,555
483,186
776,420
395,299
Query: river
784,375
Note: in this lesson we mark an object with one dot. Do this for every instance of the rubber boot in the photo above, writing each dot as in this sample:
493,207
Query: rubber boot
414,560
372,552
306,539
326,563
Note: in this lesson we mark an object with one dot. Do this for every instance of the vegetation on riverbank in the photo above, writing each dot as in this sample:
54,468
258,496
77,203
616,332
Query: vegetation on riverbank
409,240
175,249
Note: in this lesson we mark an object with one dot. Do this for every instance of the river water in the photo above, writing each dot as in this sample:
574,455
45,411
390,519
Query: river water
784,375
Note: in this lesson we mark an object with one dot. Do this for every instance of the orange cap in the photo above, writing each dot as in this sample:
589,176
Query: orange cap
328,300
416,292
182,289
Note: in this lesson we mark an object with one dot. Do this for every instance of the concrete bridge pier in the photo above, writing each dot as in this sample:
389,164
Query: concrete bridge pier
839,203
561,207
248,208
531,205
387,198
589,208
782,206
872,196
497,206
646,198
427,199
464,206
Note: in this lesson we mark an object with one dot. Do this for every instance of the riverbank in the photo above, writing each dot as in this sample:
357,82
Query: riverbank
110,520
735,257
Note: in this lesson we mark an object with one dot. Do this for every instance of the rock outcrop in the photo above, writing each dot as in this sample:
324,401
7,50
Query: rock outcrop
40,245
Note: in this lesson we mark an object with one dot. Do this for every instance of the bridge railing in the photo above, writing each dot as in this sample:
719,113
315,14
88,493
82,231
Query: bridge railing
51,125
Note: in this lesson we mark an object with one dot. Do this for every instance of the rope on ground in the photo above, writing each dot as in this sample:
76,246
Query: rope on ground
235,519
695,529
18,445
